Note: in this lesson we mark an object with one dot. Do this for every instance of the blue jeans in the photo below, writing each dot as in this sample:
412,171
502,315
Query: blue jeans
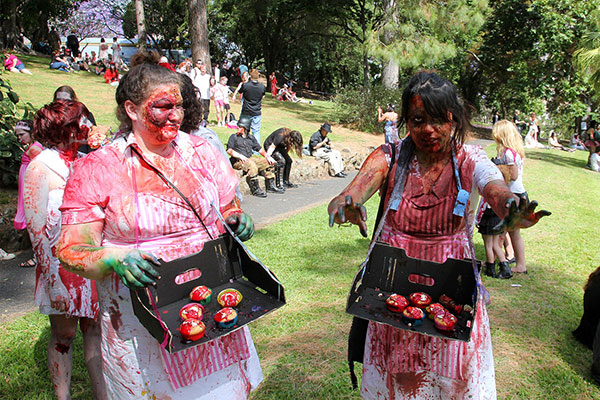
255,127
59,65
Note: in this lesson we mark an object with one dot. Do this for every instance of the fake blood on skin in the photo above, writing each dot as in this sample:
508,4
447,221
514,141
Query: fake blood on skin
163,114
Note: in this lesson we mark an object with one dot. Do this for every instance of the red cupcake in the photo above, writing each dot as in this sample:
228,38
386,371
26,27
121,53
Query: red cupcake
445,322
192,329
191,311
420,299
201,294
396,303
434,309
413,316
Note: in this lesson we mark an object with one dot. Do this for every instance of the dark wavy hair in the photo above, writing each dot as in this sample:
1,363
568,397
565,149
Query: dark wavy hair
439,96
293,140
67,90
136,86
192,107
56,123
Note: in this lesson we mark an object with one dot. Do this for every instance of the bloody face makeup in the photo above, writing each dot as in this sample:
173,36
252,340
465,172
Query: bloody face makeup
162,113
431,135
23,136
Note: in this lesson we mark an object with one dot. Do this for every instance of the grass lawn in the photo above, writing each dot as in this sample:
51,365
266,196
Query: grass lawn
302,346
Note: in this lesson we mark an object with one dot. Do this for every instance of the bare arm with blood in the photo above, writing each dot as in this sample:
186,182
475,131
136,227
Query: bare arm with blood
348,205
80,252
39,180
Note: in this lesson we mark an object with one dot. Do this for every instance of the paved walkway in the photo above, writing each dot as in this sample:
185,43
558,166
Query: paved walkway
17,284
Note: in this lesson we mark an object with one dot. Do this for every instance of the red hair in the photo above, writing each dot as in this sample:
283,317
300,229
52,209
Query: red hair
58,122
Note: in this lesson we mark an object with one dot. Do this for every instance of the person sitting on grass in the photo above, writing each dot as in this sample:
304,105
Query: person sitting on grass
240,147
594,162
555,144
57,62
111,76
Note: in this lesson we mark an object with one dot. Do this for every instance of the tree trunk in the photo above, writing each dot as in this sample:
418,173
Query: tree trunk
11,37
366,81
141,24
389,75
199,32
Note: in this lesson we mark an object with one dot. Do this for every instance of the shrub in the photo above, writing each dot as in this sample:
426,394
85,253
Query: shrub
358,107
10,150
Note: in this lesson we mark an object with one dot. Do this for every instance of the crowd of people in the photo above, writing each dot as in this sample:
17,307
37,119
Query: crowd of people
96,232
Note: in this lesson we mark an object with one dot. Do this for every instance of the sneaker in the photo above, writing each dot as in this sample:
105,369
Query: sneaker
4,256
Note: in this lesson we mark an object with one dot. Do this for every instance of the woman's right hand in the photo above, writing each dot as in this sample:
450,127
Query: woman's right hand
59,296
135,269
343,209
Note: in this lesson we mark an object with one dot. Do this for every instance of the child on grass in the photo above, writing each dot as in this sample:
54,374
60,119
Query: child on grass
511,153
492,239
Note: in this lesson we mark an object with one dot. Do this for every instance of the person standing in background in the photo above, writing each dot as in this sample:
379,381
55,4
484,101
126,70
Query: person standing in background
116,51
201,80
252,94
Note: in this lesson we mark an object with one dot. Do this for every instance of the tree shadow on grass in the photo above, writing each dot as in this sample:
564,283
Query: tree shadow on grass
304,111
532,325
555,157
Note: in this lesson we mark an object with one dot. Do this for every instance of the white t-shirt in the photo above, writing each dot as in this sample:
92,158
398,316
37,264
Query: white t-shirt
595,162
202,82
511,157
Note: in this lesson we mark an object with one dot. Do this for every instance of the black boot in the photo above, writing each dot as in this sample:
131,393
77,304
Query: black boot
286,176
278,177
504,272
255,187
271,188
490,269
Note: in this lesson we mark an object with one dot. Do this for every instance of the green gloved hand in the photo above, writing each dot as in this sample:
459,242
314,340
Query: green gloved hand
242,225
136,269
522,215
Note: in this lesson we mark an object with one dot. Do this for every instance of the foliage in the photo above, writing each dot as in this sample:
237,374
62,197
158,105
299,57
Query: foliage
526,56
587,56
358,107
94,18
33,16
427,32
166,22
10,151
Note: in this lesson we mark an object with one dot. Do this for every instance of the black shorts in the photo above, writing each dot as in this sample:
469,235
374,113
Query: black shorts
489,220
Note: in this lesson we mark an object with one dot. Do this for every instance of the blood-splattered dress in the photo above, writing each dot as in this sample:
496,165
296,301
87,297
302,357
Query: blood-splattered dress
52,280
139,210
25,160
400,364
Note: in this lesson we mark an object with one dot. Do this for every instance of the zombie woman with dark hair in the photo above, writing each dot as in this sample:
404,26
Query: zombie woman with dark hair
119,217
278,144
68,299
402,363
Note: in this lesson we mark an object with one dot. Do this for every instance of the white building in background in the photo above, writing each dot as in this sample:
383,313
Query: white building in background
128,48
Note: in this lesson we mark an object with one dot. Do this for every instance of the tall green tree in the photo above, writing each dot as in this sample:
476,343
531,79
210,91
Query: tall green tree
527,57
424,33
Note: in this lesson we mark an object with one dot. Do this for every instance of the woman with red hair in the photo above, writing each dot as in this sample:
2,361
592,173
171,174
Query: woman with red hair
68,299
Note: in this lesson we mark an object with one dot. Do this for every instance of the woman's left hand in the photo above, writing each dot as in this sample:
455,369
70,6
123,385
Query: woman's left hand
242,225
522,215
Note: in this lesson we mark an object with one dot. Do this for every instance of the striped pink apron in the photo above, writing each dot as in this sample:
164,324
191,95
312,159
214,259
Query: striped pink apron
167,228
425,228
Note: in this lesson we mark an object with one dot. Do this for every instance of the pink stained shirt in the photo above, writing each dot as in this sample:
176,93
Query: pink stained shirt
140,211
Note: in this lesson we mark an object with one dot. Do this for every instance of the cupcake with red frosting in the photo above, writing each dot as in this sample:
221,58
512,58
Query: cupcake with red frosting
201,294
413,316
396,303
229,298
420,299
192,329
191,311
226,317
434,309
445,322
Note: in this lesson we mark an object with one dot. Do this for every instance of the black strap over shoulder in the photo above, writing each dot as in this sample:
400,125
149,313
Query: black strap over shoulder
172,185
358,330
